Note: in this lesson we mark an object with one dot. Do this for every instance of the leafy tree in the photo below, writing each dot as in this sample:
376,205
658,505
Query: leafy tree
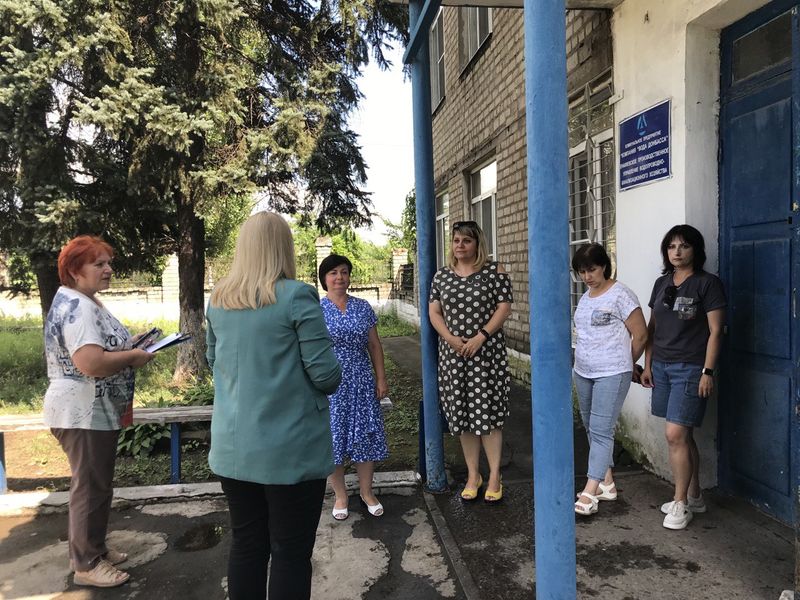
194,101
404,234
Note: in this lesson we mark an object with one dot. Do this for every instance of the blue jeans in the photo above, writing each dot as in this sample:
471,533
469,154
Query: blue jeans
600,402
676,393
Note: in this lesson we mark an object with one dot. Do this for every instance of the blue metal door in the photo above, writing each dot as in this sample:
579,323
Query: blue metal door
758,254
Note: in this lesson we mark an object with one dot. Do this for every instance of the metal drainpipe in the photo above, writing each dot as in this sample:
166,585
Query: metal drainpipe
548,268
426,256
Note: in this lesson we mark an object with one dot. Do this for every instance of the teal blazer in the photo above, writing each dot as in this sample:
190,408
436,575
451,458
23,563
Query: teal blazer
273,368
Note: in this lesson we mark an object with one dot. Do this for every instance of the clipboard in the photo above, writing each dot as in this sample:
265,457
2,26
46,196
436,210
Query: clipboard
172,339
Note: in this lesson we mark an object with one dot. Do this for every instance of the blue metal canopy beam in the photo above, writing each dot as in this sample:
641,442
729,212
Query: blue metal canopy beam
420,28
548,268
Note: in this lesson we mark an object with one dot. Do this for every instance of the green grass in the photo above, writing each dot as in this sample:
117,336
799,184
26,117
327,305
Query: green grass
390,325
23,382
22,369
23,377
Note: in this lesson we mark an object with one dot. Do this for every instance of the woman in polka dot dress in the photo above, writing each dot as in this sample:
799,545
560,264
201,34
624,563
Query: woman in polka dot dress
356,419
470,299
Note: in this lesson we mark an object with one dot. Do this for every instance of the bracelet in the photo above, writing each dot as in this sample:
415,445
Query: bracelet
484,333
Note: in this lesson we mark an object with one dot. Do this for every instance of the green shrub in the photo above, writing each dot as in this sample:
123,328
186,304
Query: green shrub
140,440
200,393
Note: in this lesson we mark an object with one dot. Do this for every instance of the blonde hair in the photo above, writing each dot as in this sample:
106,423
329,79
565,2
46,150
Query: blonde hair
473,230
264,254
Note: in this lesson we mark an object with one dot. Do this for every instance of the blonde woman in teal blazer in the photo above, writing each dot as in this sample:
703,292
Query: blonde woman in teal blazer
273,367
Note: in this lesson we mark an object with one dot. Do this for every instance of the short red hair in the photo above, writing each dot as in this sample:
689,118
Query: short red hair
78,252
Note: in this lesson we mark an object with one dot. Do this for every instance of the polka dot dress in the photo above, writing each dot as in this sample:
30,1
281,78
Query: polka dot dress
356,419
473,391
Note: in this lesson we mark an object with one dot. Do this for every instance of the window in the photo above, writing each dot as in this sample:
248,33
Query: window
474,26
437,60
442,229
592,187
482,192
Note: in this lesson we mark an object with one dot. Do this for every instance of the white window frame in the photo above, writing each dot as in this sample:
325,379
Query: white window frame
437,71
469,22
478,201
442,228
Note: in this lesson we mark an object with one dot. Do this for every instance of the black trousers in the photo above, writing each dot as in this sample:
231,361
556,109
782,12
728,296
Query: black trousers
277,524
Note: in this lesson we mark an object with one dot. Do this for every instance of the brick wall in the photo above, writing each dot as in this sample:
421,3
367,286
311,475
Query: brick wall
483,116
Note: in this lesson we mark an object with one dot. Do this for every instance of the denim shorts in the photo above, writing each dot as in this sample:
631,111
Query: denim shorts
675,393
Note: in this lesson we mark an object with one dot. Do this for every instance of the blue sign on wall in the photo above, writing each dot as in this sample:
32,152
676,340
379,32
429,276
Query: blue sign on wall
644,149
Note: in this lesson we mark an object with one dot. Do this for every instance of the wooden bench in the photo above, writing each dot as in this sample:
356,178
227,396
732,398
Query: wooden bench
173,416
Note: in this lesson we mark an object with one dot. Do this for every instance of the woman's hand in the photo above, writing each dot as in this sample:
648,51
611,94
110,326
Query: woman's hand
456,343
646,378
706,386
381,388
472,345
139,357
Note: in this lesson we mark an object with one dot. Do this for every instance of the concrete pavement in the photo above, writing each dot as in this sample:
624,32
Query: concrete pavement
425,546
623,552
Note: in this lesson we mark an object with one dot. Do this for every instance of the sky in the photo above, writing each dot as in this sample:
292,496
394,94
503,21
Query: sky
383,123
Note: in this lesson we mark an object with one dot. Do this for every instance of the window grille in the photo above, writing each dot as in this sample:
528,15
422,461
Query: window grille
592,184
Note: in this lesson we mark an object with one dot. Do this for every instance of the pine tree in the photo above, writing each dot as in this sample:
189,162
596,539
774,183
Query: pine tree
201,101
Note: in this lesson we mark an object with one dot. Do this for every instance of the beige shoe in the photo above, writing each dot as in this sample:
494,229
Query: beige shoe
113,556
103,575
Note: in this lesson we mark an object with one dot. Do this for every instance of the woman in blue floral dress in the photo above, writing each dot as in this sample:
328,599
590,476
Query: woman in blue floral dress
356,419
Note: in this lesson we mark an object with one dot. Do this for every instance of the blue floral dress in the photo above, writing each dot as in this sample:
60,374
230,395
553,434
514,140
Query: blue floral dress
356,419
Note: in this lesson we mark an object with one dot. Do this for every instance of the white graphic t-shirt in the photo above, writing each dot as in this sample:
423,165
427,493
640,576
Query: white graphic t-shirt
73,400
603,346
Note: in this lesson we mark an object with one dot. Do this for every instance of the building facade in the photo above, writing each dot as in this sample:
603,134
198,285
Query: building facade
721,73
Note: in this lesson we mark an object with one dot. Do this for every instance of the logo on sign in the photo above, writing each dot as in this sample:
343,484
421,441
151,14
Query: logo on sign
641,125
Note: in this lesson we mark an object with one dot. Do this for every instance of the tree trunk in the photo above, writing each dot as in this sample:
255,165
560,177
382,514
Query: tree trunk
191,274
47,281
191,228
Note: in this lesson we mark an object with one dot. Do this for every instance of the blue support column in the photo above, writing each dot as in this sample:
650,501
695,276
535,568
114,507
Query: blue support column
548,268
426,253
3,482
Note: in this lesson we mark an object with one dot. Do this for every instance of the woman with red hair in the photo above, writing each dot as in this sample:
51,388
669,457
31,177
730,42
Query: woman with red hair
90,362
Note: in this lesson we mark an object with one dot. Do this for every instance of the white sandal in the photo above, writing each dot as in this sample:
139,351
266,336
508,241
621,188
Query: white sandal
376,510
586,509
607,492
340,514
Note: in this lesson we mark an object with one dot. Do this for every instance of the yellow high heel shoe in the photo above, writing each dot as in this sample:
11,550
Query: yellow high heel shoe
493,497
469,494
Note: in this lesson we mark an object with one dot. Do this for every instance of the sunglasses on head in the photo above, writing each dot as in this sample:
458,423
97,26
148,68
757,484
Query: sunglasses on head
460,224
670,293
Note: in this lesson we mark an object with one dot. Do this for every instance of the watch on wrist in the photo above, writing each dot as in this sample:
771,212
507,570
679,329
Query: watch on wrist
485,333
707,371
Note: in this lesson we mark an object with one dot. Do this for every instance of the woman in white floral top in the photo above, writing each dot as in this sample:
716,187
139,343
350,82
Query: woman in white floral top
90,362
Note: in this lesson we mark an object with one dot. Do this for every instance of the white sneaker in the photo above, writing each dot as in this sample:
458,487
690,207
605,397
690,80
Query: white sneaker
678,516
696,505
